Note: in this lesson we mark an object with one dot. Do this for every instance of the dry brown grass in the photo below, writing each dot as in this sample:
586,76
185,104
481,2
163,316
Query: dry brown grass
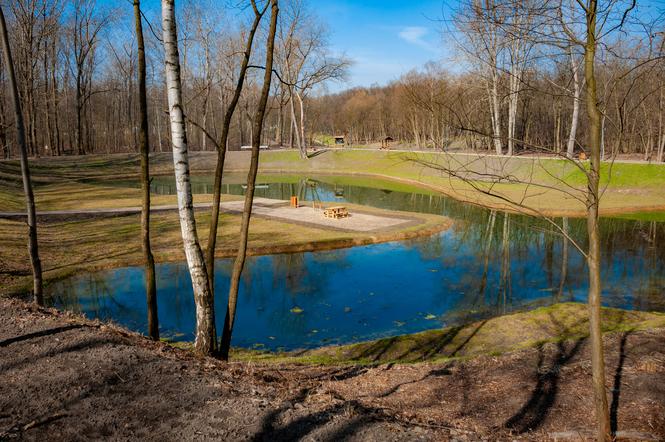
83,245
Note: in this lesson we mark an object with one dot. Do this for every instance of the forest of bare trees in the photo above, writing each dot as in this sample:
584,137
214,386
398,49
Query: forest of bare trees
76,66
76,69
521,88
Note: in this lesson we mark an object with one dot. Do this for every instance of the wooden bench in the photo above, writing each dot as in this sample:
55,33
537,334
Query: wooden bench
336,212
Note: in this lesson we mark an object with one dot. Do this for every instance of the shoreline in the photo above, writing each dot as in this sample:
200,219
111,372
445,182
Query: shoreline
565,213
420,227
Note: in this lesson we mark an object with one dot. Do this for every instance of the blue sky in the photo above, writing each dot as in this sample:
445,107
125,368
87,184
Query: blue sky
383,38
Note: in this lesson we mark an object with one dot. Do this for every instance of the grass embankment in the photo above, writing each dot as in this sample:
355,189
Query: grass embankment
73,246
560,322
555,187
551,186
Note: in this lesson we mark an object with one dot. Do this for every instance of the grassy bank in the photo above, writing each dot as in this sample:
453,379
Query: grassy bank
555,187
552,186
557,323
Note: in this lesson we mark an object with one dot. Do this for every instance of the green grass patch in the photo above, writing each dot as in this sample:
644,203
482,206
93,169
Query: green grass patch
615,174
489,337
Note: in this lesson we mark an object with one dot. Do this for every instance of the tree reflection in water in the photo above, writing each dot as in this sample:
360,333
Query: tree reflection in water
487,264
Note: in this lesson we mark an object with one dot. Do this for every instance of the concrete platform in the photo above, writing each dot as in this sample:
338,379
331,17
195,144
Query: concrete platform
357,221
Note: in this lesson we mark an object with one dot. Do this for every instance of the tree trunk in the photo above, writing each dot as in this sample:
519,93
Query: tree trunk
570,151
564,258
513,103
239,263
54,97
496,113
295,130
661,129
302,125
221,149
4,142
593,257
79,110
203,297
47,111
33,247
144,148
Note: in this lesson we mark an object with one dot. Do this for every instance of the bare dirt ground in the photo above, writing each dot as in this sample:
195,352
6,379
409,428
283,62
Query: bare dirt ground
65,378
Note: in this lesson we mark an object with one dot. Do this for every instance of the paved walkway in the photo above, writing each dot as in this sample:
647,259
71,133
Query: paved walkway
355,222
263,207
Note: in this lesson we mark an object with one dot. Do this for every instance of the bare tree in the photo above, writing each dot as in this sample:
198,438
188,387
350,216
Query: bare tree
223,144
85,29
144,149
203,296
593,203
304,62
611,18
33,246
477,21
577,85
259,116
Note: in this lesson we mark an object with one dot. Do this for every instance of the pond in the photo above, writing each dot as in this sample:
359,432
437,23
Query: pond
489,263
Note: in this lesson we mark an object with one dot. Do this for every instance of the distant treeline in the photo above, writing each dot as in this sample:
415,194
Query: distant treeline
517,83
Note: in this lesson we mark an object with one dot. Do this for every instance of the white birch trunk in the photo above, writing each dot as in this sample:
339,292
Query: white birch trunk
294,128
496,112
205,316
512,110
570,151
302,124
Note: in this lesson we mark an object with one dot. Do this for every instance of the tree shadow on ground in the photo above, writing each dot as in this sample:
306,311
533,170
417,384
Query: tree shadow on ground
39,334
616,389
441,371
356,415
533,413
416,348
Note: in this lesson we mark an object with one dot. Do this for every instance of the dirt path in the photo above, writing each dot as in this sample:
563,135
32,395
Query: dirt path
89,213
64,378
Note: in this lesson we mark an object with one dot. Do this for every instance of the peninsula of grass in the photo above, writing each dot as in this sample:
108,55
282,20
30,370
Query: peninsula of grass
492,337
70,246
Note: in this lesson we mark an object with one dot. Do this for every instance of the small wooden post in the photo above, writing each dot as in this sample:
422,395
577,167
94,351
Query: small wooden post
294,202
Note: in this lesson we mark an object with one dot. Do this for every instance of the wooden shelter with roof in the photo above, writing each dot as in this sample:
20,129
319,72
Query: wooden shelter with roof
385,142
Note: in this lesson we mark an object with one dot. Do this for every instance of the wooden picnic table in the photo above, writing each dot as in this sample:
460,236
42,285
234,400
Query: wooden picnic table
336,212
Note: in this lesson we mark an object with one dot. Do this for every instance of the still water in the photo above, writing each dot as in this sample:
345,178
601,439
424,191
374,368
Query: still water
487,264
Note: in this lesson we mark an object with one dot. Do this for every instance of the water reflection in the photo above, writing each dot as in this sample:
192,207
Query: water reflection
488,263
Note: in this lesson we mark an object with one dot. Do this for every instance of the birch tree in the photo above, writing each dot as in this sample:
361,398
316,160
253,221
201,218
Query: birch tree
33,247
203,296
483,43
519,47
577,93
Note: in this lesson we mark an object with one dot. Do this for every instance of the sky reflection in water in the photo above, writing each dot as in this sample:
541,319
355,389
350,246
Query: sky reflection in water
486,265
